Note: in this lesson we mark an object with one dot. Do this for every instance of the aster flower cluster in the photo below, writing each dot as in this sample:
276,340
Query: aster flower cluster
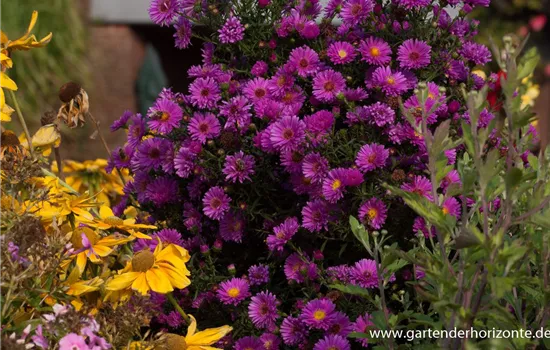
289,126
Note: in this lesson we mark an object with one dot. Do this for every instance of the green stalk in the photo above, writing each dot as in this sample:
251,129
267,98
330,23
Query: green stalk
22,121
178,308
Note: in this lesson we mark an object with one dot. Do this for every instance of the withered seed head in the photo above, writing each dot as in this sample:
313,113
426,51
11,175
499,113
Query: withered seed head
9,139
69,91
174,342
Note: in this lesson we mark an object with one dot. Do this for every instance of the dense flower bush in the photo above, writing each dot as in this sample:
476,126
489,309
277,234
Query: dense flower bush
292,123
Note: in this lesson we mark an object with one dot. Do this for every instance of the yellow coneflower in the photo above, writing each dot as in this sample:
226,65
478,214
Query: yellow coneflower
194,340
107,219
160,271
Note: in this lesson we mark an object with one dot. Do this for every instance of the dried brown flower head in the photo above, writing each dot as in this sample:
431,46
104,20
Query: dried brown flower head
75,105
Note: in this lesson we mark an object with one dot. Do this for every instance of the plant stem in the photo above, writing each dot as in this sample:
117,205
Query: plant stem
96,123
59,164
22,121
178,308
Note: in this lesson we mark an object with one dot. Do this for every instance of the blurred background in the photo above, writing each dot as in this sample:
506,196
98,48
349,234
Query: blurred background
122,60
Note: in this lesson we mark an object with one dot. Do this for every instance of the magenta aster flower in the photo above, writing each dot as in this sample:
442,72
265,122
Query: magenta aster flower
327,85
371,157
162,190
248,343
391,83
238,167
296,269
364,274
163,11
414,53
477,53
316,215
164,116
357,94
304,60
233,291
232,227
184,162
318,126
293,331
258,274
270,341
340,273
452,207
410,4
453,177
73,341
315,167
419,185
355,11
215,203
375,51
166,236
122,121
204,126
435,97
373,212
318,313
380,114
332,342
341,325
341,52
334,185
183,33
232,31
153,153
419,226
282,234
362,325
259,68
205,93
288,133
262,310
256,89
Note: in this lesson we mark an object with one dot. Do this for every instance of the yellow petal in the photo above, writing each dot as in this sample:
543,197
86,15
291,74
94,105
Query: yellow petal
105,212
102,250
176,278
158,281
47,135
208,336
34,18
122,281
192,327
140,284
81,260
6,82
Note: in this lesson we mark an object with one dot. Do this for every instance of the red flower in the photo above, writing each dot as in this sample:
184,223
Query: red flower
493,97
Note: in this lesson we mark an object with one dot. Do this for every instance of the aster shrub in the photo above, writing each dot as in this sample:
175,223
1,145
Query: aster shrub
291,124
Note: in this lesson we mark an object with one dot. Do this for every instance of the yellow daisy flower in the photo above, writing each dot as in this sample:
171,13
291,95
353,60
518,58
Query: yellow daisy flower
107,220
160,271
194,340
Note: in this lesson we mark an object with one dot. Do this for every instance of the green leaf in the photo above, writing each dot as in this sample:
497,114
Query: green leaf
528,63
351,289
360,232
513,177
468,137
466,239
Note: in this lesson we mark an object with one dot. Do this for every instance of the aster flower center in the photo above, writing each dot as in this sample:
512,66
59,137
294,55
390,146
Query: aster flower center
372,213
297,157
319,315
233,292
288,97
288,134
390,80
164,116
304,63
372,158
281,81
356,9
333,348
432,96
259,93
445,210
264,310
375,52
164,6
215,203
174,342
418,191
113,221
329,86
155,153
342,53
237,227
204,127
205,92
414,56
336,184
143,260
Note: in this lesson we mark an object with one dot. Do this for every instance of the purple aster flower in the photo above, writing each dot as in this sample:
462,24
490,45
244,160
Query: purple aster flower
327,85
362,325
280,83
164,116
256,89
296,269
334,185
310,30
371,157
318,126
332,8
232,227
364,274
153,153
237,111
205,93
162,190
452,207
435,103
477,53
136,131
373,212
232,31
293,331
287,133
375,51
315,167
259,68
183,33
270,341
419,226
122,121
457,70
318,313
410,4
340,273
184,162
304,60
332,342
204,126
73,341
282,234
414,54
341,52
341,325
380,114
258,274
357,94
391,83
120,158
39,339
262,310
163,11
248,343
166,236
452,177
215,203
316,216
355,11
292,161
238,167
419,185
233,291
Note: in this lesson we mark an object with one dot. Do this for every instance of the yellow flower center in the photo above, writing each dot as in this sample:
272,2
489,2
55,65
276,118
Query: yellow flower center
336,184
113,221
174,342
342,53
372,213
143,260
390,80
319,315
445,210
430,95
164,116
234,292
375,52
